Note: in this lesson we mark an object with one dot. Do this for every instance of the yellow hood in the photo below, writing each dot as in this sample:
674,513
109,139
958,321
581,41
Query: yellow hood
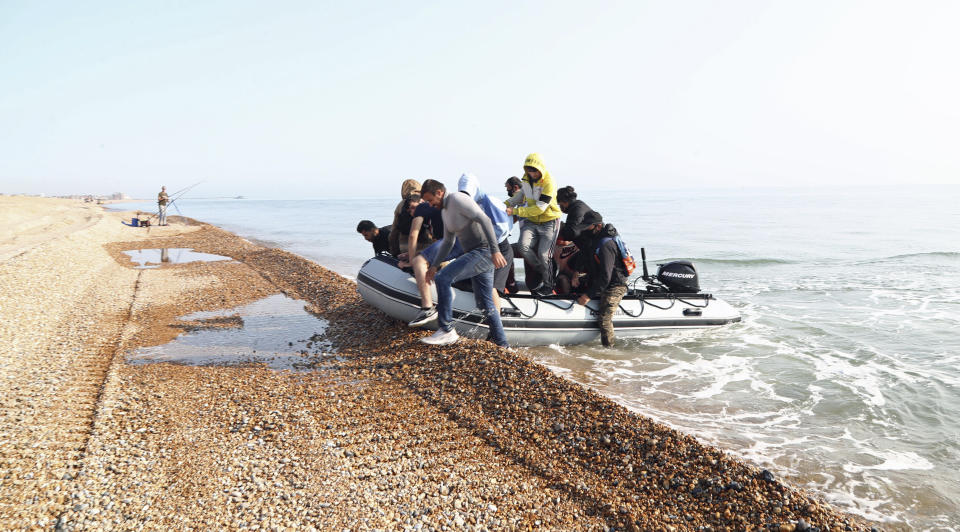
540,196
535,161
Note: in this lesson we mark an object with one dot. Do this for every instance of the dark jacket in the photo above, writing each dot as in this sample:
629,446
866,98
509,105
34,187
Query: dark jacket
570,231
402,229
408,187
605,267
381,242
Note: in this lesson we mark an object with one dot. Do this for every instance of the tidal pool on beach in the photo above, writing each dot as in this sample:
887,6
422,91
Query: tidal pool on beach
276,331
156,257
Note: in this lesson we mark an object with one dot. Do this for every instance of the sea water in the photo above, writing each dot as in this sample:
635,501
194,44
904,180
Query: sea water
844,375
156,257
275,331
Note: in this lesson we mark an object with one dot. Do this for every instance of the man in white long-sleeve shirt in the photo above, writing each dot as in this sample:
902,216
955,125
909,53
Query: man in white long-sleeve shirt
463,221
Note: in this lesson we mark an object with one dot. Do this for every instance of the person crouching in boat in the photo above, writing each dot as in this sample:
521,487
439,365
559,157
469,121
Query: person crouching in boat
575,209
606,272
408,188
567,257
464,221
423,237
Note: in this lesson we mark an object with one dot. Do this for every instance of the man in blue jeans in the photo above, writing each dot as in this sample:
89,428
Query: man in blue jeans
465,222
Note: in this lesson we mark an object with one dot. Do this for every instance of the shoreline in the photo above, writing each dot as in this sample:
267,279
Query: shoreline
388,434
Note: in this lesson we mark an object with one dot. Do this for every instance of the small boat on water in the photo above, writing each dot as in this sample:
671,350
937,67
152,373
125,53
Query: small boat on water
668,302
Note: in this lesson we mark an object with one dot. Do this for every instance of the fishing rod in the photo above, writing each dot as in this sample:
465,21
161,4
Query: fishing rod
176,195
180,194
184,189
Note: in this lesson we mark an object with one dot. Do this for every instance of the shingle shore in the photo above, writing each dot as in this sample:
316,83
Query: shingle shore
388,434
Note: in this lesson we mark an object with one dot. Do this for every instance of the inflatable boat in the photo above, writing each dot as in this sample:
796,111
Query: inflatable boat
667,302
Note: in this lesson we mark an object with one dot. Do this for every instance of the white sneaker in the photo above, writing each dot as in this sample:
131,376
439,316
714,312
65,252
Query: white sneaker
442,337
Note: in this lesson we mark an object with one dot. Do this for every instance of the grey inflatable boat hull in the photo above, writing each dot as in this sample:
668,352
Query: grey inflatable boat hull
529,321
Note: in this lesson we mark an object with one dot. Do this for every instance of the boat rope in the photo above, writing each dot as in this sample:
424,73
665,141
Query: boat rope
706,302
631,314
556,303
673,301
536,307
643,302
475,326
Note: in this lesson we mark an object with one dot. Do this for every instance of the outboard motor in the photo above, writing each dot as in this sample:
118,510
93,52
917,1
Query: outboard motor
679,276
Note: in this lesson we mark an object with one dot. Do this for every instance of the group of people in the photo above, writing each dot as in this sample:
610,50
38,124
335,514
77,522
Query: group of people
446,237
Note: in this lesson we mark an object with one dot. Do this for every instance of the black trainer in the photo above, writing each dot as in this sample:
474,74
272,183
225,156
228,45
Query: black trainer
542,291
425,316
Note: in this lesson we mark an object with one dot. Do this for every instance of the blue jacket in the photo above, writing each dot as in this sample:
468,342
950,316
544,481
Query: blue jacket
492,207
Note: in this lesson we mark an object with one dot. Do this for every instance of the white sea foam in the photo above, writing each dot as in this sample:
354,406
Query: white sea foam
890,460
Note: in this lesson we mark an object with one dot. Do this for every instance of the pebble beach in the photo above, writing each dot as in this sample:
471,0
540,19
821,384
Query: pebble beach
372,431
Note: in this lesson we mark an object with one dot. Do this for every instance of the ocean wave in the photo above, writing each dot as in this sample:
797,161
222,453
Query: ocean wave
735,262
929,254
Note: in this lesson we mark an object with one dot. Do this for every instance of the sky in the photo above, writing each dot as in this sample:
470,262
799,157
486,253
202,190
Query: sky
315,99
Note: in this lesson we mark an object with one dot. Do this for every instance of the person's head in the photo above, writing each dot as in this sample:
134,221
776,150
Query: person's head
410,204
408,187
368,229
513,185
163,189
432,192
533,173
592,222
566,196
470,185
533,167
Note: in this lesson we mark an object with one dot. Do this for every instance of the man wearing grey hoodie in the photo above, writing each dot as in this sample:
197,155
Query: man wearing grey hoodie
463,221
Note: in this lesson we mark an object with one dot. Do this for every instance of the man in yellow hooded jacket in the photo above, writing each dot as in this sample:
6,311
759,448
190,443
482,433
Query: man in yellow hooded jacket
536,205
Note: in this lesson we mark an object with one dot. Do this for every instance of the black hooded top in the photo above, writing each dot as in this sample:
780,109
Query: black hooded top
571,227
609,270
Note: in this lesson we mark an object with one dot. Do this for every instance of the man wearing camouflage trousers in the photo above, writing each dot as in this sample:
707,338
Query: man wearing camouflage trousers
606,272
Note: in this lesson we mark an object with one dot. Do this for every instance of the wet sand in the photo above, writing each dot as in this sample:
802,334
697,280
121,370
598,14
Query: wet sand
388,434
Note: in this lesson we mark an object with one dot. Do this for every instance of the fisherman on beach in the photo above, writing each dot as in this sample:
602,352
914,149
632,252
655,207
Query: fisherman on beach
162,200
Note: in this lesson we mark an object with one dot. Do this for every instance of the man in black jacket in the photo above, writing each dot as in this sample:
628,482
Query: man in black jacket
378,236
575,210
606,272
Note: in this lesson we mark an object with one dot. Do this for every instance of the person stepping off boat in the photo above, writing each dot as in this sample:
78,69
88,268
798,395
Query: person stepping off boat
465,222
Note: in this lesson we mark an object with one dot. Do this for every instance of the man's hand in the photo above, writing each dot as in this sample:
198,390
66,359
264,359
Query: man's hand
509,211
583,299
403,264
431,273
498,260
404,257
